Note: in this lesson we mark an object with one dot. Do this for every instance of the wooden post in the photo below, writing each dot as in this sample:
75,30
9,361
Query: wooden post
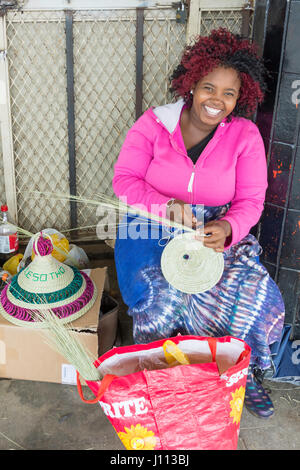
6,128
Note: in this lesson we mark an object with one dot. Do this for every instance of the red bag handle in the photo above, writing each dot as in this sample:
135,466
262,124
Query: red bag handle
105,383
212,343
242,356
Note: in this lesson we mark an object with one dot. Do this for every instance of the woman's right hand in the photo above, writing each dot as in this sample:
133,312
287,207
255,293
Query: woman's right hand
181,212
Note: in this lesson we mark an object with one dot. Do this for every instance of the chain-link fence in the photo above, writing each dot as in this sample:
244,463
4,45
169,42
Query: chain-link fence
37,72
230,19
54,147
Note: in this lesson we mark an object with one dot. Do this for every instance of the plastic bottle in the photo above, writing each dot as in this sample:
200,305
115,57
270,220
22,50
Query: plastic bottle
9,242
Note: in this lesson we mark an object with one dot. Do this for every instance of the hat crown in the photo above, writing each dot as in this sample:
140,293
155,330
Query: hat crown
45,273
43,246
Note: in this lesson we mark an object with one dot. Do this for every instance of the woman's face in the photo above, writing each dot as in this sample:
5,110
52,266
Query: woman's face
215,96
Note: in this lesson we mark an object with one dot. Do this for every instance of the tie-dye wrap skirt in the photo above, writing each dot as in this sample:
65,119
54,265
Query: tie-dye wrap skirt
246,303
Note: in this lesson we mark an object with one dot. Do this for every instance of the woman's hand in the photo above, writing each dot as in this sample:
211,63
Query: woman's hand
181,212
219,230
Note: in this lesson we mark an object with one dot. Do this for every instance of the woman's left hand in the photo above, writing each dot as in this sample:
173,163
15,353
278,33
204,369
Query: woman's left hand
219,230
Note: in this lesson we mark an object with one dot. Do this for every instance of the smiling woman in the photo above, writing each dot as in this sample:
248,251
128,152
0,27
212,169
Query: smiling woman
201,161
214,98
222,49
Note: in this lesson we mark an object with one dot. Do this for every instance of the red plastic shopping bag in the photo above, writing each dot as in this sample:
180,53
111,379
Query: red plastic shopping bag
188,395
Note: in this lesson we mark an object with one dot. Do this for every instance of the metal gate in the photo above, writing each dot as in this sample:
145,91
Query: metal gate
74,78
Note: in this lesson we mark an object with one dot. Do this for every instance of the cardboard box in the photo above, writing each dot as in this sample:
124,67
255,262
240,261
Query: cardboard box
24,353
108,324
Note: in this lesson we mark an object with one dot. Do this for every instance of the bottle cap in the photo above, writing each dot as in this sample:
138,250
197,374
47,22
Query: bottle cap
4,208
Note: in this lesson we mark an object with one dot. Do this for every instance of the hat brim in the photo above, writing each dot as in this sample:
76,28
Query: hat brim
63,319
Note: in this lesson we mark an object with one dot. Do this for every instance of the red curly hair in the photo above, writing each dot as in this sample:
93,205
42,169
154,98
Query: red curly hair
222,48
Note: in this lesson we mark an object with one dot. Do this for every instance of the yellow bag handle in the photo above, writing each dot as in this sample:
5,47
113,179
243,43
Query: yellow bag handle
173,352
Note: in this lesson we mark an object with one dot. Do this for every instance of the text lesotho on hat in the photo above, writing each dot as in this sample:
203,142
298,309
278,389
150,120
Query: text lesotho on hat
45,284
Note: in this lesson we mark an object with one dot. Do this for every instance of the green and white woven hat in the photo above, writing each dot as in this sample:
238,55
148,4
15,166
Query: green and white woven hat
45,284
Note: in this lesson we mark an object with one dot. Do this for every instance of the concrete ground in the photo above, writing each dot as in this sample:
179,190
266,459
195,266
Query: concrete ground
46,416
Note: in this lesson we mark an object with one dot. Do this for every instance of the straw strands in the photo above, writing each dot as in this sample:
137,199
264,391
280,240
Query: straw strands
116,205
61,339
108,203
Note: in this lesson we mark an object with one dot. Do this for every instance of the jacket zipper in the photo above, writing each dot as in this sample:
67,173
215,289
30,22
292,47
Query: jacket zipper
192,177
191,182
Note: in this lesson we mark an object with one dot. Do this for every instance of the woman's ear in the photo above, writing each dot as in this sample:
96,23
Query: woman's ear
193,87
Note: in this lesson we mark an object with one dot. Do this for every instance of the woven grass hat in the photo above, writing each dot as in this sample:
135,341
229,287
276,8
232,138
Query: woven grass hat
189,266
46,283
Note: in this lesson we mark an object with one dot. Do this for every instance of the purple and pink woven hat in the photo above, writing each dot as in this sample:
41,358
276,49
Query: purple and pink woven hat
46,284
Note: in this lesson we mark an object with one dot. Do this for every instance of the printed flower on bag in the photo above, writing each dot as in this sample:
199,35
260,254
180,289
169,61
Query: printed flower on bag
237,404
137,438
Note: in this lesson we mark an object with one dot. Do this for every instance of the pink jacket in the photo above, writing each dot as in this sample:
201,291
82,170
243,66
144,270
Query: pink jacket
153,167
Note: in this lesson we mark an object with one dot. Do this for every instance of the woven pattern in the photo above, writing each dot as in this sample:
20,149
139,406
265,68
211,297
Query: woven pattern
230,19
104,76
50,297
37,70
189,266
66,313
46,283
164,40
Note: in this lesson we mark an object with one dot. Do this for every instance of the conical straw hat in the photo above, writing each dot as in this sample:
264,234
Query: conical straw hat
45,284
189,266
